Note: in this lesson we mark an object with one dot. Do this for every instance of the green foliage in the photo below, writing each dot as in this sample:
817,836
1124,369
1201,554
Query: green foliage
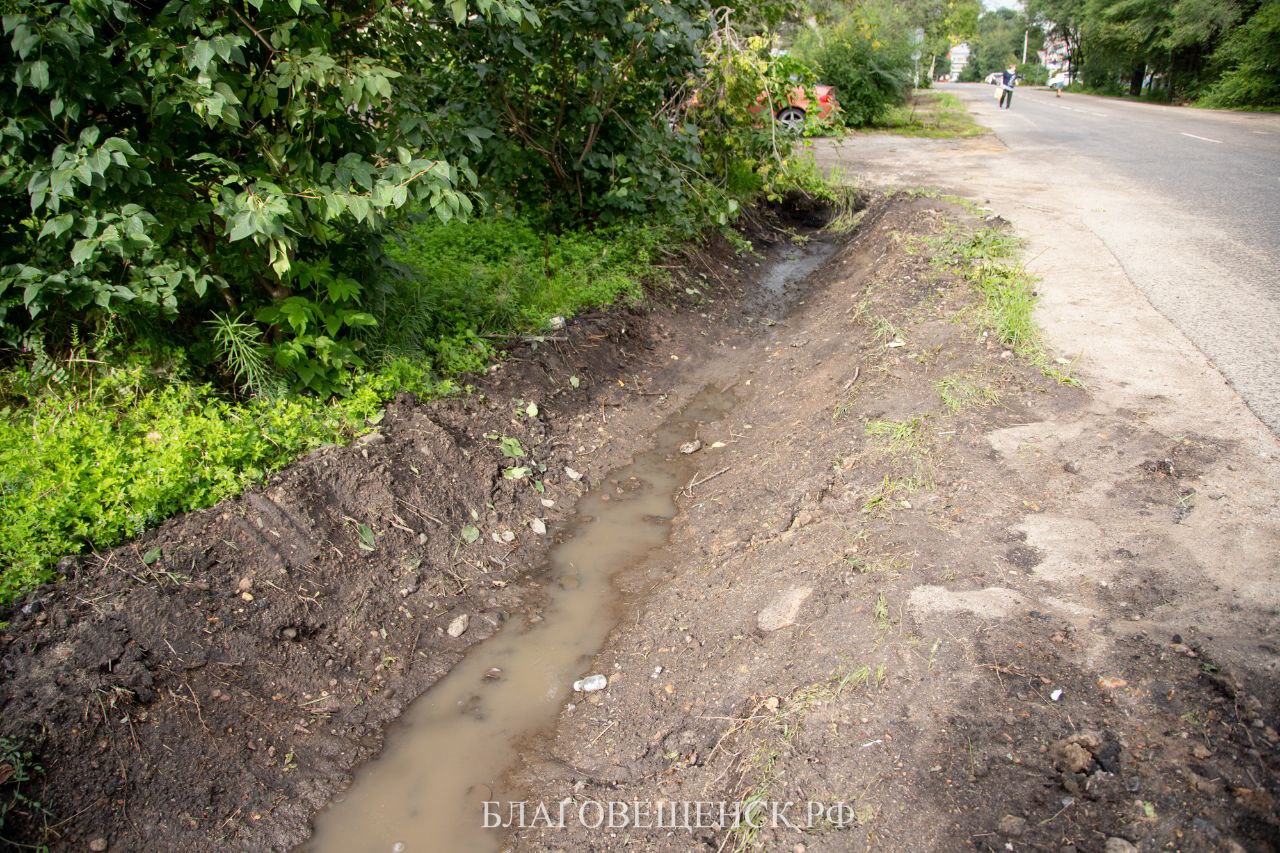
462,284
867,56
578,119
1171,50
935,115
158,159
1249,59
103,454
998,43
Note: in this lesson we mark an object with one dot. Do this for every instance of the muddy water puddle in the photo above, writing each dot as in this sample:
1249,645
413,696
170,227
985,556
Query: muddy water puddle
783,277
451,749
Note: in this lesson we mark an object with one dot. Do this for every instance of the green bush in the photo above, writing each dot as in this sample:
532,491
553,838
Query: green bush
867,57
97,448
462,281
97,458
1250,60
1033,74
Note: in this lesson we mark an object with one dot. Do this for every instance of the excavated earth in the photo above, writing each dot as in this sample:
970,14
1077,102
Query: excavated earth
867,599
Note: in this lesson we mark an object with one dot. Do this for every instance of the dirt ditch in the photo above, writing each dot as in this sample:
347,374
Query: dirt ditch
882,600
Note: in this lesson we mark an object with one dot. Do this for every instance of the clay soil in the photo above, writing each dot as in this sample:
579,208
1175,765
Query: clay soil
862,607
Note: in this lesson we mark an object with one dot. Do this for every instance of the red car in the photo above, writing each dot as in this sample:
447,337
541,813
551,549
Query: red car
799,105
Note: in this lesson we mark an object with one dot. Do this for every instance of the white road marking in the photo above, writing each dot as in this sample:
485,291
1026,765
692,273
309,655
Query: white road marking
1203,138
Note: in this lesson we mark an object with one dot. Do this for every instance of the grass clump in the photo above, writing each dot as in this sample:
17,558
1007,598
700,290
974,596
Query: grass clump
989,260
959,392
932,115
899,437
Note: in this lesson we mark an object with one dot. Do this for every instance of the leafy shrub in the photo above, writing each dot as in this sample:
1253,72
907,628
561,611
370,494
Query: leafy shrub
101,457
99,447
1250,59
867,57
459,282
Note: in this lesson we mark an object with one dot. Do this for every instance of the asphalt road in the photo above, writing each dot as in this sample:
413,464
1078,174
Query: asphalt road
1188,201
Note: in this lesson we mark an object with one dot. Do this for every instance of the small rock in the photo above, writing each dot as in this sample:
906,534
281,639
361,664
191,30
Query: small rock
771,703
691,447
493,673
1115,844
591,684
556,323
1012,825
1070,757
97,845
289,634
1201,751
548,503
1254,799
784,608
538,526
422,539
572,474
1072,467
1056,695
458,626
1108,682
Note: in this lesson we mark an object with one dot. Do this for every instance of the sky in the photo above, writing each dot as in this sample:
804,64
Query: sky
1001,4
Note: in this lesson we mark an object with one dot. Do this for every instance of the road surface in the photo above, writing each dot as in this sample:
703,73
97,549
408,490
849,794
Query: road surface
1186,201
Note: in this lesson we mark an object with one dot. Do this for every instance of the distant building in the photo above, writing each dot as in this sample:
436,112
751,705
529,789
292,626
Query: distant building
959,57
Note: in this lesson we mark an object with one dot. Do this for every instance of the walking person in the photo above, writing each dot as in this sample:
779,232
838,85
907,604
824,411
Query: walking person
1008,79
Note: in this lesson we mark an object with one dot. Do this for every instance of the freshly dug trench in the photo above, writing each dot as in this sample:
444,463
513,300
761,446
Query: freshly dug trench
223,693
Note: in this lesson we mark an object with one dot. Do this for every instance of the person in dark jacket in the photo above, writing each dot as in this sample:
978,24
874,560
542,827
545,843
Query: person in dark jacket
1008,79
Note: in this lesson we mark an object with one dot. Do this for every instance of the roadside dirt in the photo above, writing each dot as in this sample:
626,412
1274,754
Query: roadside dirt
929,653
222,693
876,602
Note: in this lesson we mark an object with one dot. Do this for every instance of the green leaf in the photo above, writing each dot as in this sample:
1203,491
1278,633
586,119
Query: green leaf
57,226
38,72
151,556
367,540
459,8
82,250
470,533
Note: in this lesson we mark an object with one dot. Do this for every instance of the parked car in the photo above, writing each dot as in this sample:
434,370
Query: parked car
799,105
994,78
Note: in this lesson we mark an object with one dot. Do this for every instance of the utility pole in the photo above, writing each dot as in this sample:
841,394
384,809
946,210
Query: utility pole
1026,34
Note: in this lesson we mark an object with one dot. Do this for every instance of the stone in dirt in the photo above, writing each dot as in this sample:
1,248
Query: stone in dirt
1012,825
591,684
691,447
458,626
98,845
1116,844
784,608
1075,754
